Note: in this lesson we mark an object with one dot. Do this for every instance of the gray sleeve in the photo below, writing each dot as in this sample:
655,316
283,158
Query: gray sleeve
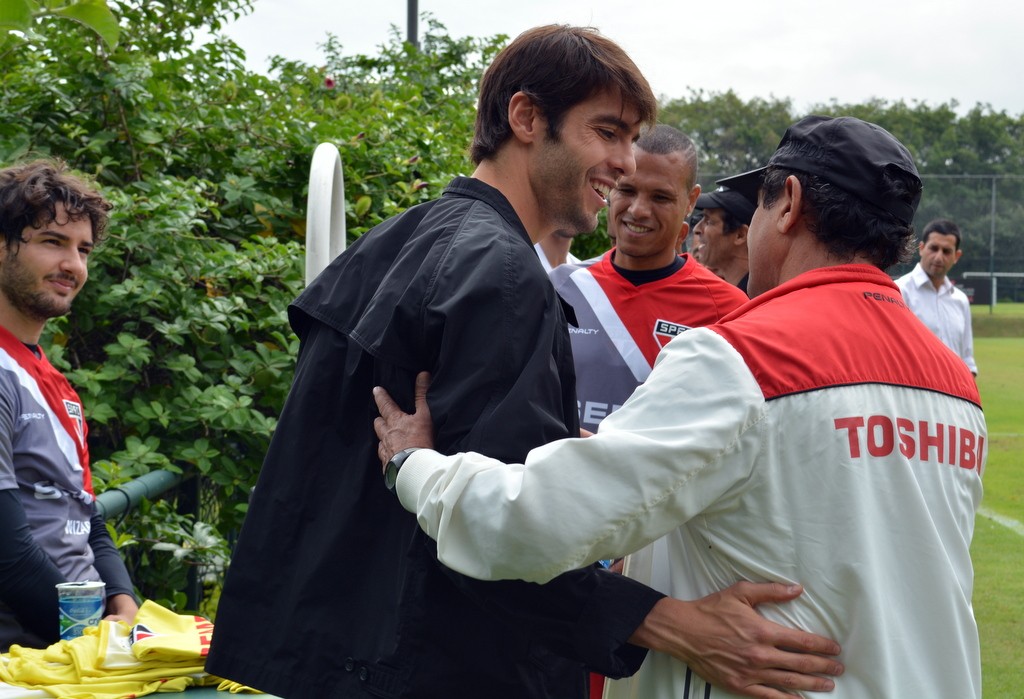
8,413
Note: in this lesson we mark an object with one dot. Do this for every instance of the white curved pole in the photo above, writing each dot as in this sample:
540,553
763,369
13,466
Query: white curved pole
325,210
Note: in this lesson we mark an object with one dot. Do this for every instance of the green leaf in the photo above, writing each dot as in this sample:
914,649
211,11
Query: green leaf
97,16
101,413
15,14
150,137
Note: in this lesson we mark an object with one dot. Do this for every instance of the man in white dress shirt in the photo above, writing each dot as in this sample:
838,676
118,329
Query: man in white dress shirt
933,297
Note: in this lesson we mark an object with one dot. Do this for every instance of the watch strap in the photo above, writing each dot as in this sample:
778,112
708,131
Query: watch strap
394,465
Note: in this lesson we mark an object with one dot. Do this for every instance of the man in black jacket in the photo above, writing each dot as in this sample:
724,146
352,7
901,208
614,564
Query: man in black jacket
333,590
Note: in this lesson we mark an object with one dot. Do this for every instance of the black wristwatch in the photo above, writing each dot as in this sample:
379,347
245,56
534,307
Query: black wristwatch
394,465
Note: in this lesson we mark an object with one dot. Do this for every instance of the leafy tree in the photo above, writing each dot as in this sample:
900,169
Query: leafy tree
180,345
731,136
958,157
19,15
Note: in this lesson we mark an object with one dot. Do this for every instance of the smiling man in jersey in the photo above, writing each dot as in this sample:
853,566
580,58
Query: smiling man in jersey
634,299
51,530
820,433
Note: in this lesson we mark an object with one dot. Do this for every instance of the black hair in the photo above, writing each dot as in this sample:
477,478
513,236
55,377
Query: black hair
730,222
662,139
943,226
558,67
845,224
31,192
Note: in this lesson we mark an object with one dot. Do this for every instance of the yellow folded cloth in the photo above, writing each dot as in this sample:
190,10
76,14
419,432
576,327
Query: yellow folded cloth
161,652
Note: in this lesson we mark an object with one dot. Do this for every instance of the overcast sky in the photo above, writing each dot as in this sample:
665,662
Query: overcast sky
934,51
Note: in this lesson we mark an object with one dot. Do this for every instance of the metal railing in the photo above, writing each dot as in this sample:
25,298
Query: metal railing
115,502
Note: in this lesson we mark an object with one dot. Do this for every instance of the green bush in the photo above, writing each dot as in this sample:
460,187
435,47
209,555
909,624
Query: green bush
180,345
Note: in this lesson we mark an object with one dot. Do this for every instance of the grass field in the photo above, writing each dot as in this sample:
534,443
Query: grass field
1004,320
998,547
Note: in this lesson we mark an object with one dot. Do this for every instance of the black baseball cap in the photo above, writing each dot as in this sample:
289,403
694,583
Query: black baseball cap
741,208
845,151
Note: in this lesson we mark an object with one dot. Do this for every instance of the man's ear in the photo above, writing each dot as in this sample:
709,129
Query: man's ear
694,193
740,235
684,232
525,118
790,205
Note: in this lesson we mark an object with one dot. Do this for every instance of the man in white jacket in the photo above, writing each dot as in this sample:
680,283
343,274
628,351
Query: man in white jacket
820,434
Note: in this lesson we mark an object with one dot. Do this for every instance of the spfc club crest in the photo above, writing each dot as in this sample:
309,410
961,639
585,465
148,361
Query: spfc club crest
665,331
75,413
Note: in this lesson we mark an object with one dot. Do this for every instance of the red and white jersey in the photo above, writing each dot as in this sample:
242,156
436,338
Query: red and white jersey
622,327
44,455
819,435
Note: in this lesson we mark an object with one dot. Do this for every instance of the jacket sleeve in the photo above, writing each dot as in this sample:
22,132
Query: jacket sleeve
587,614
680,442
498,386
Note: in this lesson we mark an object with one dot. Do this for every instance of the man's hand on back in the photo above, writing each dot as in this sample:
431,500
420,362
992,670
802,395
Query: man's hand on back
725,641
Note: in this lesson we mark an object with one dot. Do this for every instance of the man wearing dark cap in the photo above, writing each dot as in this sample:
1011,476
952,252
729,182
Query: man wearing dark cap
819,434
721,234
